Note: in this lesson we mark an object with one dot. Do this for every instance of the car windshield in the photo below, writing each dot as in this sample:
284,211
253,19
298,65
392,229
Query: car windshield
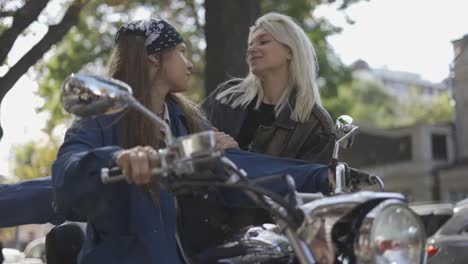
432,222
35,249
433,215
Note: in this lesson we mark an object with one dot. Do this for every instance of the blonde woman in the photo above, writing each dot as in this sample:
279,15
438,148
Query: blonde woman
276,109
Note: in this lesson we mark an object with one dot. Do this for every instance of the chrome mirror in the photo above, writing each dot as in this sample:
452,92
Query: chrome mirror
90,95
343,120
345,133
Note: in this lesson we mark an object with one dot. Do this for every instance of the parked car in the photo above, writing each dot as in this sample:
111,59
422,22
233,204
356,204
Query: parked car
449,245
35,250
12,256
433,214
34,253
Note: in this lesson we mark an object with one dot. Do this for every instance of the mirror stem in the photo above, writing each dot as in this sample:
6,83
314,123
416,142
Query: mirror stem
337,143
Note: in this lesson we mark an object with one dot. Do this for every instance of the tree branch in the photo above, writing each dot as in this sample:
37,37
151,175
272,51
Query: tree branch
53,35
6,13
22,18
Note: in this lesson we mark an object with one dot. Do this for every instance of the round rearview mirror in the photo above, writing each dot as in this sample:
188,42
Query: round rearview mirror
89,95
343,120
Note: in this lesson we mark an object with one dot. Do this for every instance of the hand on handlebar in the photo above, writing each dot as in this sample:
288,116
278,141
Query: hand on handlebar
225,141
137,163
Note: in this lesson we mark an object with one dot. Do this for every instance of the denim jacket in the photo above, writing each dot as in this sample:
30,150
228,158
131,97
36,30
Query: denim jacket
123,225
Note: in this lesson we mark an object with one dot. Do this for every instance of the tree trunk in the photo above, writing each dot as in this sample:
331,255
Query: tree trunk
226,30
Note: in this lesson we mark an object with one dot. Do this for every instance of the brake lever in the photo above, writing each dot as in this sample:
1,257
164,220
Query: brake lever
374,179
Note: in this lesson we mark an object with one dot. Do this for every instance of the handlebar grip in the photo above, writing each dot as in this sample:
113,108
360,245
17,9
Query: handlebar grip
112,175
115,174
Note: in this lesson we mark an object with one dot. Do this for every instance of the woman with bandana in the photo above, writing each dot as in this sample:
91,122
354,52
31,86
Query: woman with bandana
135,221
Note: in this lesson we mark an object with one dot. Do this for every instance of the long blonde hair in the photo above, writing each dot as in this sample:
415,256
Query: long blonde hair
129,63
302,70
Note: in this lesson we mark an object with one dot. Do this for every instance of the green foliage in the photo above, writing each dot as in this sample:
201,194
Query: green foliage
34,160
2,28
418,109
365,101
369,102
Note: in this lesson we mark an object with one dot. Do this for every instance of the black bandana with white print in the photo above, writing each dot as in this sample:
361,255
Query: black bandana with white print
158,34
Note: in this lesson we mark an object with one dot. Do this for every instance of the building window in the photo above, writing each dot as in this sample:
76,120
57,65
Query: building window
439,147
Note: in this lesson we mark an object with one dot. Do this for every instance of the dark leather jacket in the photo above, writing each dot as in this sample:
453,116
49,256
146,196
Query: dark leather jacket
311,141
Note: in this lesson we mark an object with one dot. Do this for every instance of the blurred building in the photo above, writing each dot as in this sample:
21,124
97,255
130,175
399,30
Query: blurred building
453,179
399,84
28,233
425,162
407,159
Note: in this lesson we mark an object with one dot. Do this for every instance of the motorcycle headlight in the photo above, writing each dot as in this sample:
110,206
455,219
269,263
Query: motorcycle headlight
390,233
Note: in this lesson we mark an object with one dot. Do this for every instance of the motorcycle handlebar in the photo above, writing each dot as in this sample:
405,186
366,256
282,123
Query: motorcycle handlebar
115,174
111,175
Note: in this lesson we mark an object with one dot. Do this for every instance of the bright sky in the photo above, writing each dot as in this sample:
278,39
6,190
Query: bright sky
404,35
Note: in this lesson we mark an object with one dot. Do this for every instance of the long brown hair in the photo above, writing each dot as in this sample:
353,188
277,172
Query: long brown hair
129,63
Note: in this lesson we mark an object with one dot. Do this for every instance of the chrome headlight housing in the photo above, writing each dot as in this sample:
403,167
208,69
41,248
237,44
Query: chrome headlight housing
390,233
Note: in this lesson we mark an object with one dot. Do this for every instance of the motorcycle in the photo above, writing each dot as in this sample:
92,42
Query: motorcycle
348,226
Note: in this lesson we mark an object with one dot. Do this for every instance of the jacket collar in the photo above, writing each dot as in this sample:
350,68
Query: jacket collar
174,109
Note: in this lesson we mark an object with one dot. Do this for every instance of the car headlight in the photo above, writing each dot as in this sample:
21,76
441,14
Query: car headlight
390,233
